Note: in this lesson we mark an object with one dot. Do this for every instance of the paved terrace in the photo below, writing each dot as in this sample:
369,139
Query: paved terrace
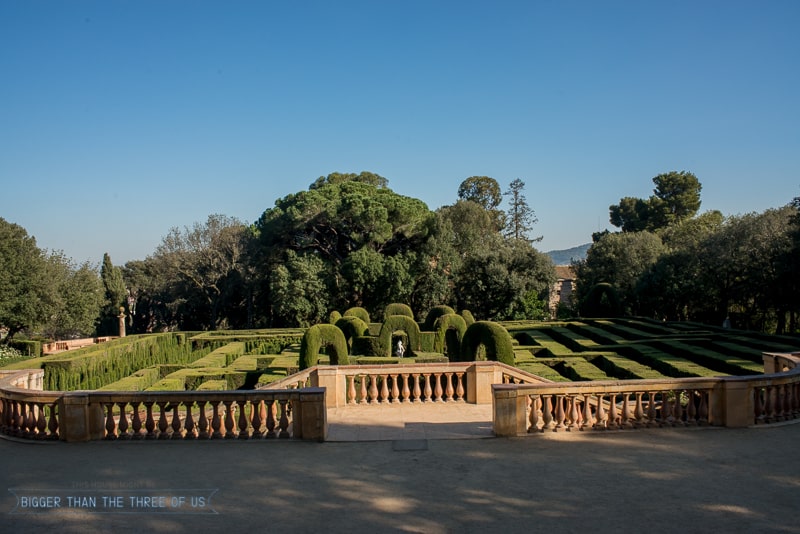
420,475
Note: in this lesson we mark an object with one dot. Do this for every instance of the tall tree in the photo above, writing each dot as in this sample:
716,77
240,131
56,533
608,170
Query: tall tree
76,298
520,218
675,198
485,192
115,296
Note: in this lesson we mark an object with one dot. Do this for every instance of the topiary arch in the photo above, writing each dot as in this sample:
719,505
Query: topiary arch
433,314
334,316
352,327
449,323
397,308
468,318
394,323
359,312
323,335
494,337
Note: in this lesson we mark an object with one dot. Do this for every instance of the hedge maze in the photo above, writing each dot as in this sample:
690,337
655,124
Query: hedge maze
578,350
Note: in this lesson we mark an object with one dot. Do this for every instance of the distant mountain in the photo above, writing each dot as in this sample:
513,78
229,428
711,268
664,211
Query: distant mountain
565,257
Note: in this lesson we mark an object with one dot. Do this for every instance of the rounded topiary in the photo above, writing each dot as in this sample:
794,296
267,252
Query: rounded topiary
394,323
443,324
334,316
357,311
433,314
322,335
352,327
491,335
602,301
468,318
397,308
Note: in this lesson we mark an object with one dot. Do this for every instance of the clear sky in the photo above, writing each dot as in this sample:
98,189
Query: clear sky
122,119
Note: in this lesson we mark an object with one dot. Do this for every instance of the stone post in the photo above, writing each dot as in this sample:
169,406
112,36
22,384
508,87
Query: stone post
739,408
509,411
79,420
328,377
479,389
121,318
310,415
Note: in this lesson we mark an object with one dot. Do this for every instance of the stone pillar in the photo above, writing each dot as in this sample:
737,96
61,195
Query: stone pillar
79,420
509,411
310,416
328,377
121,318
739,408
480,377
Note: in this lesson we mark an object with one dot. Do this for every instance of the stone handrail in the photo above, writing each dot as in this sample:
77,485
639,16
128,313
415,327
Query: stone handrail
30,413
722,401
415,382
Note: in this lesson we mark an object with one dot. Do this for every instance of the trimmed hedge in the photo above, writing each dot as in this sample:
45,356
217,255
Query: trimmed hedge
394,323
222,357
433,314
323,335
492,336
334,316
468,318
357,311
352,327
398,308
27,347
446,322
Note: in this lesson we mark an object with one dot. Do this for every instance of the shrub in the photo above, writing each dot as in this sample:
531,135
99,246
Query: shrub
397,308
468,318
334,316
492,336
352,327
359,312
443,324
433,314
27,347
323,335
394,323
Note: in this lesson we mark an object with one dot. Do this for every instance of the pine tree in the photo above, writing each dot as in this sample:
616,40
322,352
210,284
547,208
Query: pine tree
520,218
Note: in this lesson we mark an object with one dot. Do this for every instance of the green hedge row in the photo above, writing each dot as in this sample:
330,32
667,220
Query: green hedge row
221,357
322,335
493,337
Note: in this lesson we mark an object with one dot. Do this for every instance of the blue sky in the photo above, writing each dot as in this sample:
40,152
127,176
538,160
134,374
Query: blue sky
120,120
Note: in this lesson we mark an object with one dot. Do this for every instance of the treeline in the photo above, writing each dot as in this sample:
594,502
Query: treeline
670,263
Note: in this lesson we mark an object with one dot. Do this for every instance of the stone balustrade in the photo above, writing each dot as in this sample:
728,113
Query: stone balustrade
396,383
520,409
30,413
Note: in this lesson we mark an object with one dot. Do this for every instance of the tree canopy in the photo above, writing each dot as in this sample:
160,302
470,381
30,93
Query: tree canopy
675,198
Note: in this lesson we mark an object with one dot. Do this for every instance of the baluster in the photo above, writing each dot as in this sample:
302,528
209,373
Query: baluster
587,413
547,413
176,422
437,390
351,389
41,421
136,423
428,390
572,403
459,386
626,412
613,422
191,428
691,409
363,399
533,417
384,388
449,390
782,403
52,423
758,405
600,413
162,421
417,391
16,418
666,409
122,427
150,423
271,419
395,392
560,413
651,409
702,410
373,387
638,411
111,427
202,421
229,433
771,403
257,420
243,422
406,390
216,421
284,421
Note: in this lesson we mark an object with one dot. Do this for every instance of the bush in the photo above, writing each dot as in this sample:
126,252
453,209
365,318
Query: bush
356,311
433,314
394,323
397,308
492,336
27,347
352,327
323,335
468,318
443,323
334,316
